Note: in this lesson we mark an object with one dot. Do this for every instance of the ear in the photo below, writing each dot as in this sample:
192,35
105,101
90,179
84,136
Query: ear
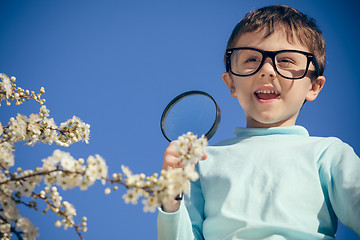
315,88
230,83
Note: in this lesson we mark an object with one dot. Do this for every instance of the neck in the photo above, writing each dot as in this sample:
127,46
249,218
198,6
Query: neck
255,124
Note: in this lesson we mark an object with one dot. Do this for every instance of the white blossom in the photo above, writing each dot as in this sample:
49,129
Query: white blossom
17,128
67,162
74,130
1,129
5,86
62,170
10,211
5,227
171,183
132,195
27,187
44,111
29,231
6,156
190,148
150,204
97,168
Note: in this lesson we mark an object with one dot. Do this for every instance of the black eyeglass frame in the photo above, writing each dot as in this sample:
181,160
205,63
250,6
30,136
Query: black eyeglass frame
271,54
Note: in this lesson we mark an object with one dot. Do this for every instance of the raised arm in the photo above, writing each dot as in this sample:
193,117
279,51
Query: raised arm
177,221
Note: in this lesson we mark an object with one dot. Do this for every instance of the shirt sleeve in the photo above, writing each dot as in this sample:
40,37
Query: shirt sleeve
340,176
195,205
174,226
186,223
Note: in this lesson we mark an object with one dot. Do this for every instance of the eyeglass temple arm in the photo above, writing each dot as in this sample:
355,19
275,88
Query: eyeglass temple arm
314,61
227,61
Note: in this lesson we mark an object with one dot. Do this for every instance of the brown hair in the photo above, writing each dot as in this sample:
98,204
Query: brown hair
295,24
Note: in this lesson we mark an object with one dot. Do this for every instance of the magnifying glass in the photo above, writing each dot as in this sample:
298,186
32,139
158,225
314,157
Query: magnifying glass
193,111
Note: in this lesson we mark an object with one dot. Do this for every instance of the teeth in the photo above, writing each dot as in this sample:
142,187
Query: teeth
266,91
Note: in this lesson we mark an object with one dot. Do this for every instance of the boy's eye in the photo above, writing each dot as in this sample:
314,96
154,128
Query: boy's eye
286,60
246,56
252,59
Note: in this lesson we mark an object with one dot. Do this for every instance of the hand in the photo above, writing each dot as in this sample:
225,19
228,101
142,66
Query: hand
172,160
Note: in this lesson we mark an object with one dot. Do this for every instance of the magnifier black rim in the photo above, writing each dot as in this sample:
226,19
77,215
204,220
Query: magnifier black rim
213,128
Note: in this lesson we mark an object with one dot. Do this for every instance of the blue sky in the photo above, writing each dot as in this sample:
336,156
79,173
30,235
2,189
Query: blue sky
116,65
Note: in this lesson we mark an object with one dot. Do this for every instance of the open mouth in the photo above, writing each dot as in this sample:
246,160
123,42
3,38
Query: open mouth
267,94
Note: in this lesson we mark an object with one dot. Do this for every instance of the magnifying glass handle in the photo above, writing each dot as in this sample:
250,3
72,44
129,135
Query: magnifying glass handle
179,197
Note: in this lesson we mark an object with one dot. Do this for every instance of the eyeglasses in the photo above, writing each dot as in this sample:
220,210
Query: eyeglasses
290,64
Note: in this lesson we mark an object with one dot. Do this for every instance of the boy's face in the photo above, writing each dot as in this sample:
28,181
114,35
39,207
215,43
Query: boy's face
268,99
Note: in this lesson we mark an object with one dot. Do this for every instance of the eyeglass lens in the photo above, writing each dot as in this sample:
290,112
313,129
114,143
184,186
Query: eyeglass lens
287,64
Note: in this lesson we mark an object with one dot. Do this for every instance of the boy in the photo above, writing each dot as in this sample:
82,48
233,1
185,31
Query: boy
273,181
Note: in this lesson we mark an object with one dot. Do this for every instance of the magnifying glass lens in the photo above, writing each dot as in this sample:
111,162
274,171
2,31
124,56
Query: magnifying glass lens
193,111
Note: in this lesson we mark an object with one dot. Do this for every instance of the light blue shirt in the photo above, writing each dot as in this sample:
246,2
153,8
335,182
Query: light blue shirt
275,183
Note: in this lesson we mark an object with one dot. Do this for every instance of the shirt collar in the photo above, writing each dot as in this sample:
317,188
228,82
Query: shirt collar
291,130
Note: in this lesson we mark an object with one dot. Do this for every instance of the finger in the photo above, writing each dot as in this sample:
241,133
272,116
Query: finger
171,150
180,164
171,162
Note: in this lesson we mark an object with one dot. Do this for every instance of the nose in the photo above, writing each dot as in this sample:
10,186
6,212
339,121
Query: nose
267,69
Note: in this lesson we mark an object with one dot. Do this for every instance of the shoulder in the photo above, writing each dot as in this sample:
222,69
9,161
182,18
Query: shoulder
333,152
330,144
329,149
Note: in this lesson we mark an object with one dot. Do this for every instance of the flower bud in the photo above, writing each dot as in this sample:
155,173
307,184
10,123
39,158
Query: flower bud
58,223
107,191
